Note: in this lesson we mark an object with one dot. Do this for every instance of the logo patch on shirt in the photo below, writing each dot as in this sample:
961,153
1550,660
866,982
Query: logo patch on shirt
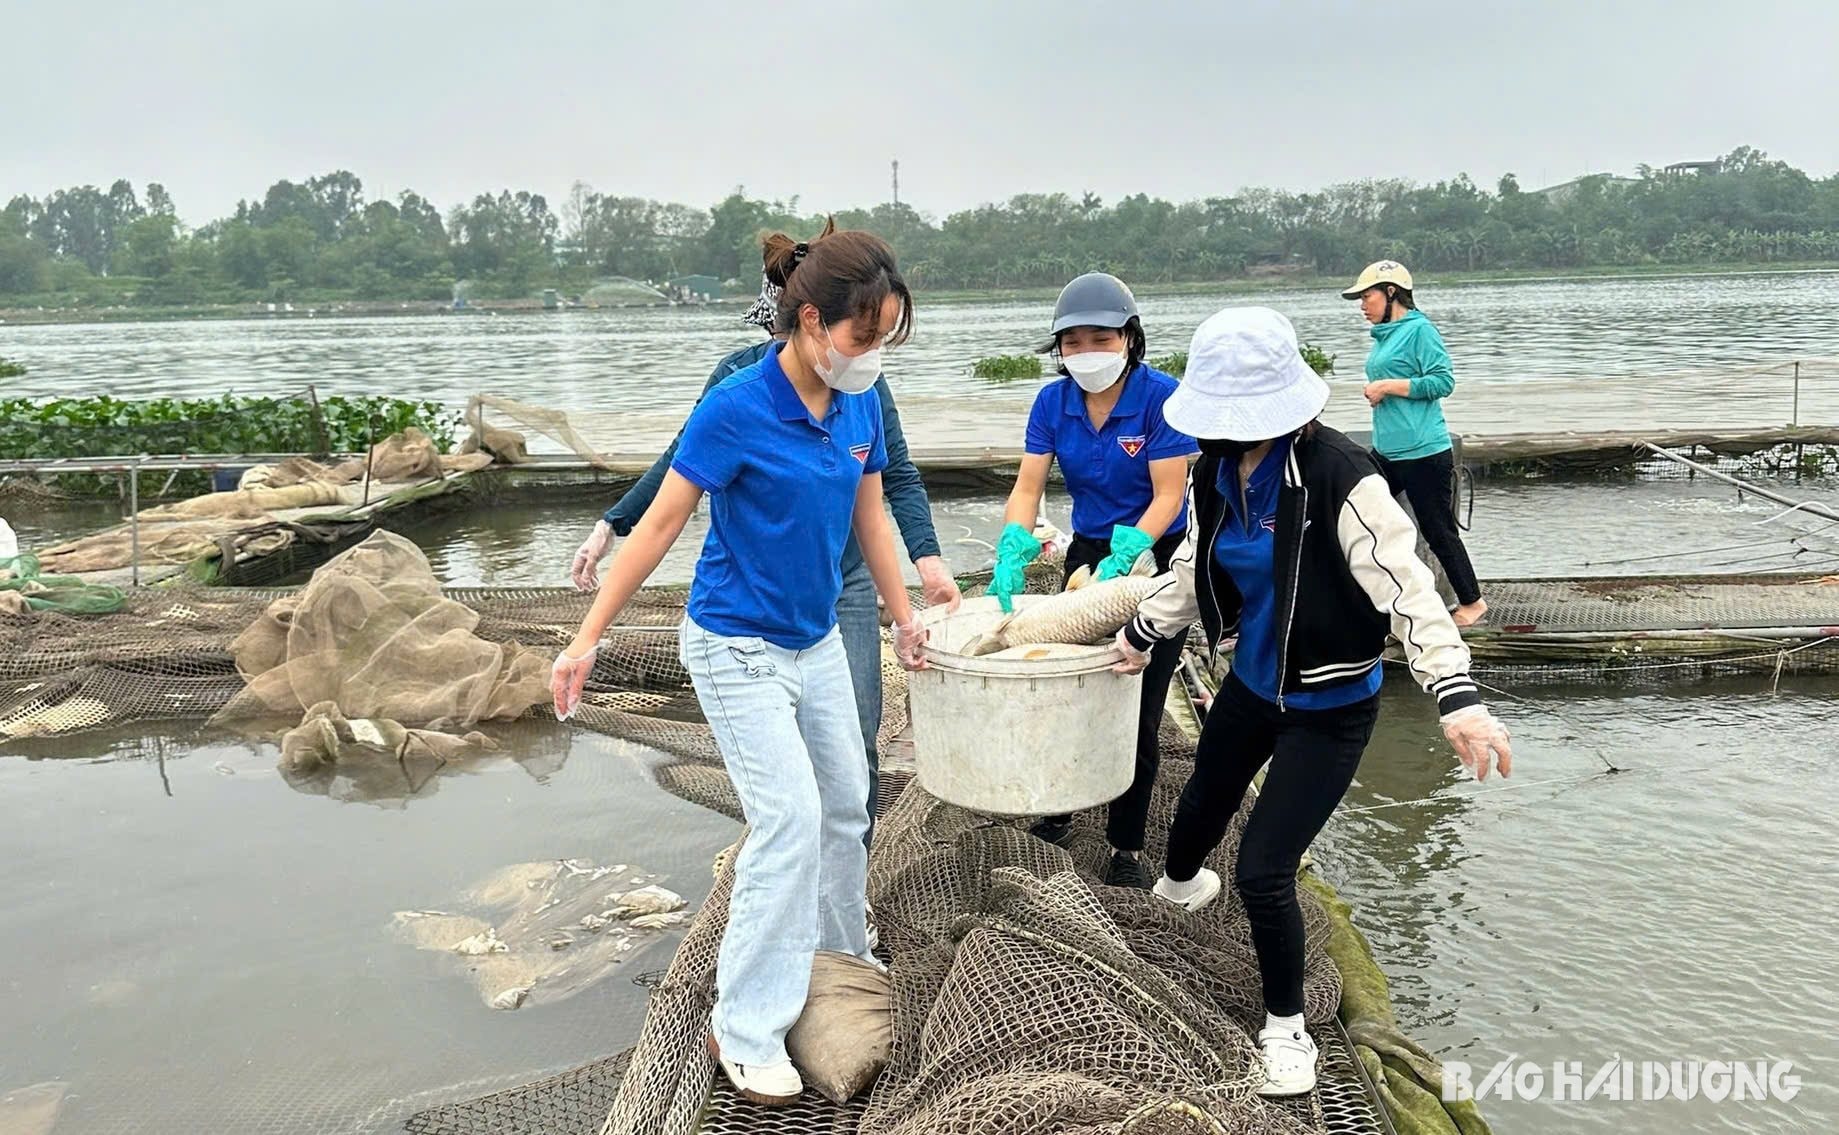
860,452
1269,524
1132,445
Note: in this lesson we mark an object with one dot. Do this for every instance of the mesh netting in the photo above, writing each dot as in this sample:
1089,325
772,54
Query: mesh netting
166,653
574,1102
1028,998
1658,630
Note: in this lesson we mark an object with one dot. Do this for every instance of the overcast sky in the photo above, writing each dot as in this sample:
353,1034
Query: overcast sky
979,100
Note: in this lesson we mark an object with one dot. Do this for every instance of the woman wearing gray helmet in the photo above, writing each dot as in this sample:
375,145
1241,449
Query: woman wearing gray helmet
1298,549
1125,469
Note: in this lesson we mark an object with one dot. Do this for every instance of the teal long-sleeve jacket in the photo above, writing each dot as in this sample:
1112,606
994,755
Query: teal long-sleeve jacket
1412,426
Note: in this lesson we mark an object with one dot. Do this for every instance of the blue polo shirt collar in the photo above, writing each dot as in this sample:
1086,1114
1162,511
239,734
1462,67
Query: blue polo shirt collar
786,401
1129,404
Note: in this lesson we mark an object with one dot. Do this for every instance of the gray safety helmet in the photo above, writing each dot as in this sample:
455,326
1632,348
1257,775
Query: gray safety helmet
1096,299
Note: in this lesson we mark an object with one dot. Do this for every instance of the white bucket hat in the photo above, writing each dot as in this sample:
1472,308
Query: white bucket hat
1246,380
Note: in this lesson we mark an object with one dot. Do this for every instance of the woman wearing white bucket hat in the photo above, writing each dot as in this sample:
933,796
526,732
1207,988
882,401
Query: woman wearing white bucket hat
1296,546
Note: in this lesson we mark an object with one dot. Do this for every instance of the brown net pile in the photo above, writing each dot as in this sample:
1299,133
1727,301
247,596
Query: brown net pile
373,636
1028,998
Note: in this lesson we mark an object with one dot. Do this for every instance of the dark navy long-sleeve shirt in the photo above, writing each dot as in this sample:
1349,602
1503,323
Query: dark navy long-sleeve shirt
900,481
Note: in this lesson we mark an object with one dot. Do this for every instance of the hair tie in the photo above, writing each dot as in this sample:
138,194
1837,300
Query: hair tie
800,251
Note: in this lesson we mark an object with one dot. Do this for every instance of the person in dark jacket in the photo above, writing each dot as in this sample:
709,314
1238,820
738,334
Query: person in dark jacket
1297,547
858,616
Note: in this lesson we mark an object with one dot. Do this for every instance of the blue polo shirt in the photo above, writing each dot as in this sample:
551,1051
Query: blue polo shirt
1247,550
782,492
1107,470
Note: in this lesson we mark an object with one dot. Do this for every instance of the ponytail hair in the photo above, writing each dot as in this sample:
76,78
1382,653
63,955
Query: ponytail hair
844,274
780,254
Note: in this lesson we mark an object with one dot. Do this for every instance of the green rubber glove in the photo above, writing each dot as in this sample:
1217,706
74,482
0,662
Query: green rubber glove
1127,544
1016,548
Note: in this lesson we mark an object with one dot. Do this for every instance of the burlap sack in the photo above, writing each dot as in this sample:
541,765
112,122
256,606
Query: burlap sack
844,1037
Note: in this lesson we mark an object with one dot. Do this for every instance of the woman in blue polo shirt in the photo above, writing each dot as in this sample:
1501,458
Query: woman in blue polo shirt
1126,470
790,451
857,616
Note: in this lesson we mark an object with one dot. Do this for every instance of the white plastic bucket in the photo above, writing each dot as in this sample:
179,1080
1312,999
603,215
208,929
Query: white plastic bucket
1015,737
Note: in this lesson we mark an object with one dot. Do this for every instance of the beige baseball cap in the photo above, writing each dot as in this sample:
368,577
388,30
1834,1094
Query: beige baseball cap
1377,273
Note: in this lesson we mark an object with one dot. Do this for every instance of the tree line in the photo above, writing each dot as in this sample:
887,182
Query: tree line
322,239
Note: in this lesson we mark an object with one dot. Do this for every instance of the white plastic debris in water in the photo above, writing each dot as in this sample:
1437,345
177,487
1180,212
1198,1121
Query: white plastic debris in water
647,900
481,944
532,933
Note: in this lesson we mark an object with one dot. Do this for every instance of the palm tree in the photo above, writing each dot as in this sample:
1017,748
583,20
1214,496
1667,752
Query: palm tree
1475,244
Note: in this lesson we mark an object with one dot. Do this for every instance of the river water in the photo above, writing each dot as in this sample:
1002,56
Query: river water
192,944
645,359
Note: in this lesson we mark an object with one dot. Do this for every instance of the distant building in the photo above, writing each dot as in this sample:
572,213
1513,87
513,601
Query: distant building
1710,167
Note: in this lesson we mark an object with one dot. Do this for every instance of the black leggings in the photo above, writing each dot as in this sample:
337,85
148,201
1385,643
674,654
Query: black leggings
1129,814
1425,481
1313,755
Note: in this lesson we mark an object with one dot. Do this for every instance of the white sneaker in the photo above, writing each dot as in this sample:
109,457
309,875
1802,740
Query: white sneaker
1192,895
1289,1062
770,1085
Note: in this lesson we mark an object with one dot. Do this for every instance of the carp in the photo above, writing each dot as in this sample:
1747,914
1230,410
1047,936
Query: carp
1085,614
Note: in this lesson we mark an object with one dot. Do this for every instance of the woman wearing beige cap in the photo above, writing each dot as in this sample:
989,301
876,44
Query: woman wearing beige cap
1408,376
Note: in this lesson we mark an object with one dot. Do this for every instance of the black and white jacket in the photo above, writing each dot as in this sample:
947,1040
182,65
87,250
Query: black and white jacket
1347,574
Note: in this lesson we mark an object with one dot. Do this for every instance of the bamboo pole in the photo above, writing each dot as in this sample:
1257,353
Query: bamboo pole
1812,508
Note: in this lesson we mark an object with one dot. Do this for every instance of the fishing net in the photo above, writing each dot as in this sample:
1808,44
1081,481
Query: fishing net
373,637
1028,997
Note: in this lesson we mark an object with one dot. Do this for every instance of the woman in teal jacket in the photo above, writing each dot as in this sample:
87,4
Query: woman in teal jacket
1408,376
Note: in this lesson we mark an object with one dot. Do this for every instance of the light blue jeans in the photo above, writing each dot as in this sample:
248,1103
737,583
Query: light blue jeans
786,724
858,617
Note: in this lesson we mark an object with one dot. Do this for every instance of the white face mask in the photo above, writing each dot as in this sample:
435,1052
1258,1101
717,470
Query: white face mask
849,374
1094,370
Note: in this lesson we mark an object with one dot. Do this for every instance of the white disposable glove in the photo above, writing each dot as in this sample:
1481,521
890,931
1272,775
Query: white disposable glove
1134,660
1479,739
567,676
910,643
1054,542
937,584
586,569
